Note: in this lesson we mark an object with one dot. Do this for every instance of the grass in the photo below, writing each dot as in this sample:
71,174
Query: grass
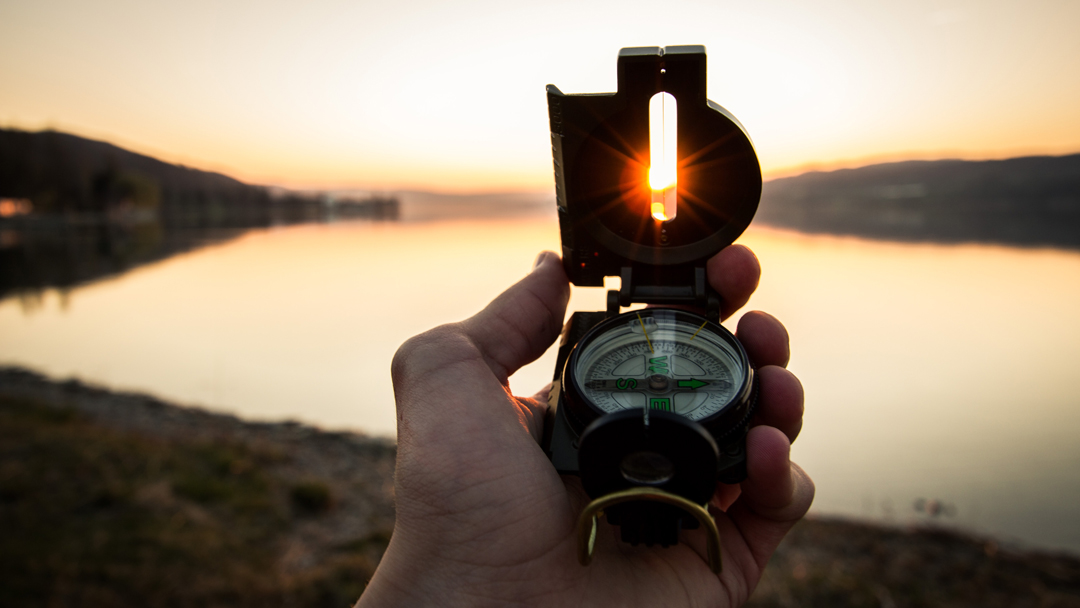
98,517
841,563
312,497
91,515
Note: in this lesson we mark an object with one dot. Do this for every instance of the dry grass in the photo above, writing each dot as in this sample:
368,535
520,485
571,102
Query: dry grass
120,500
98,517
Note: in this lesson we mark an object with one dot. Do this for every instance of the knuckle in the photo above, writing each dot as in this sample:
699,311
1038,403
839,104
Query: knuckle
794,387
805,488
417,352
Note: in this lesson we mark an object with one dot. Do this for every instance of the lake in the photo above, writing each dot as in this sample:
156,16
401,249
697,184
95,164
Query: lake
941,381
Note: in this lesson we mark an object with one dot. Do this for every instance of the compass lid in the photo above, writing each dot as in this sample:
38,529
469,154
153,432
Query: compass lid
601,153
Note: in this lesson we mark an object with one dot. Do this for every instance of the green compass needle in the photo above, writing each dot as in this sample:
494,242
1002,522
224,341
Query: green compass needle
614,384
692,384
636,385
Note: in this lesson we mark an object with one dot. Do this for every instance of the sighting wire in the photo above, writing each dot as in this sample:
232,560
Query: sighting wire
698,331
646,332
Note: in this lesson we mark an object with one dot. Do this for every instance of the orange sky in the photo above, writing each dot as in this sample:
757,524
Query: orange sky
450,96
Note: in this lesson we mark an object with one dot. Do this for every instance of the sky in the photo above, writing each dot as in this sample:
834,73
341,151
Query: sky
449,96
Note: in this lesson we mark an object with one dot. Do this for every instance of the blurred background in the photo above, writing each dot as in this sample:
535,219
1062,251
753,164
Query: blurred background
248,206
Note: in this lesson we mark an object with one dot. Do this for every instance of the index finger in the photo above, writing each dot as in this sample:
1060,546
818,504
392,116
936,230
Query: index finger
734,274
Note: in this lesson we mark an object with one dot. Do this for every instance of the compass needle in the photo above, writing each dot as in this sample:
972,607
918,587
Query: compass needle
692,384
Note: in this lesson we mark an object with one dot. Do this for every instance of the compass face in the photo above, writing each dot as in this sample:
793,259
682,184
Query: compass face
660,359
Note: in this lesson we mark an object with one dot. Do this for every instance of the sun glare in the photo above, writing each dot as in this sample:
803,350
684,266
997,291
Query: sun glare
663,155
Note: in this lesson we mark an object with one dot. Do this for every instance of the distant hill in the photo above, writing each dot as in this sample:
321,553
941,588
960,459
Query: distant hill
33,162
1029,201
63,174
74,210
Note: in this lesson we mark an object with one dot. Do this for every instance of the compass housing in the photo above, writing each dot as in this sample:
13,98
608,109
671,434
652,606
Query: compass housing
601,155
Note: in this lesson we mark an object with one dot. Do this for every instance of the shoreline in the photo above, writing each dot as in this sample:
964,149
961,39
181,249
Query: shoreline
315,509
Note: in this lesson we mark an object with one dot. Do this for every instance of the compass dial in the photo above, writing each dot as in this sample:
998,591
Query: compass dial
660,359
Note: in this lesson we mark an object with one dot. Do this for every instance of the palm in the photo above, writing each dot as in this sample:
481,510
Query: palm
479,503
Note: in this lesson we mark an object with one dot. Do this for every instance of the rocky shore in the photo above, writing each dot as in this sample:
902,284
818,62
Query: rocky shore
117,499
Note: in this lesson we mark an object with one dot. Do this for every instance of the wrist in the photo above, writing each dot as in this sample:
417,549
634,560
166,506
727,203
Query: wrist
409,576
398,582
412,575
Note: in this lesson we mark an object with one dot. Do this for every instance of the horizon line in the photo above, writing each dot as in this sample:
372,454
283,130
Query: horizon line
301,185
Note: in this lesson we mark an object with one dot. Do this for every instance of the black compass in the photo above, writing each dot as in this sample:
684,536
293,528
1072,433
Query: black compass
650,407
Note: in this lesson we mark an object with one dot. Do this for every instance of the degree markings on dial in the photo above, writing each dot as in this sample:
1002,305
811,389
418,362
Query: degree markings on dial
612,360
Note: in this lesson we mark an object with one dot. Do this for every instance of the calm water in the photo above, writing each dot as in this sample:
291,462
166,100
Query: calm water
931,372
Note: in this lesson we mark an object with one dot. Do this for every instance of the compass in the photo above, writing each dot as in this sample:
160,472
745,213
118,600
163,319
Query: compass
650,406
660,359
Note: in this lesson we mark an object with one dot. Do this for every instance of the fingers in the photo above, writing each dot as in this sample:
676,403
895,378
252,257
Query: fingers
765,339
769,483
775,495
734,274
780,401
520,324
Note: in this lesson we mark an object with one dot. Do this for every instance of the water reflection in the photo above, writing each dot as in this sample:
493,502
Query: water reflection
64,250
936,373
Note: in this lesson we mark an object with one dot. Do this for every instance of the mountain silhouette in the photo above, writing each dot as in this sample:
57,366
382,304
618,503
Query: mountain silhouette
1028,201
78,210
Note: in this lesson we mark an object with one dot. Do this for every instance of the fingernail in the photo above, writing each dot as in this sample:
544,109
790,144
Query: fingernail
539,260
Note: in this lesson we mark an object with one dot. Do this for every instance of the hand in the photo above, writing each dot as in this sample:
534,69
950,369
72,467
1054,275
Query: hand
484,519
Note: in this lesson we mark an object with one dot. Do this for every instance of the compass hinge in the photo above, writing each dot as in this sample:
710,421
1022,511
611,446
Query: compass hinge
670,286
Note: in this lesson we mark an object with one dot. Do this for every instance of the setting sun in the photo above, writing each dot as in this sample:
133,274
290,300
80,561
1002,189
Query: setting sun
663,155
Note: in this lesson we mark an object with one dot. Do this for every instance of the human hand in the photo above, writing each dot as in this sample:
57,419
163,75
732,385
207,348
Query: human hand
484,519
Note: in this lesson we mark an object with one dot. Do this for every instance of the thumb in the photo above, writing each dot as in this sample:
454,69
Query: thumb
520,324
